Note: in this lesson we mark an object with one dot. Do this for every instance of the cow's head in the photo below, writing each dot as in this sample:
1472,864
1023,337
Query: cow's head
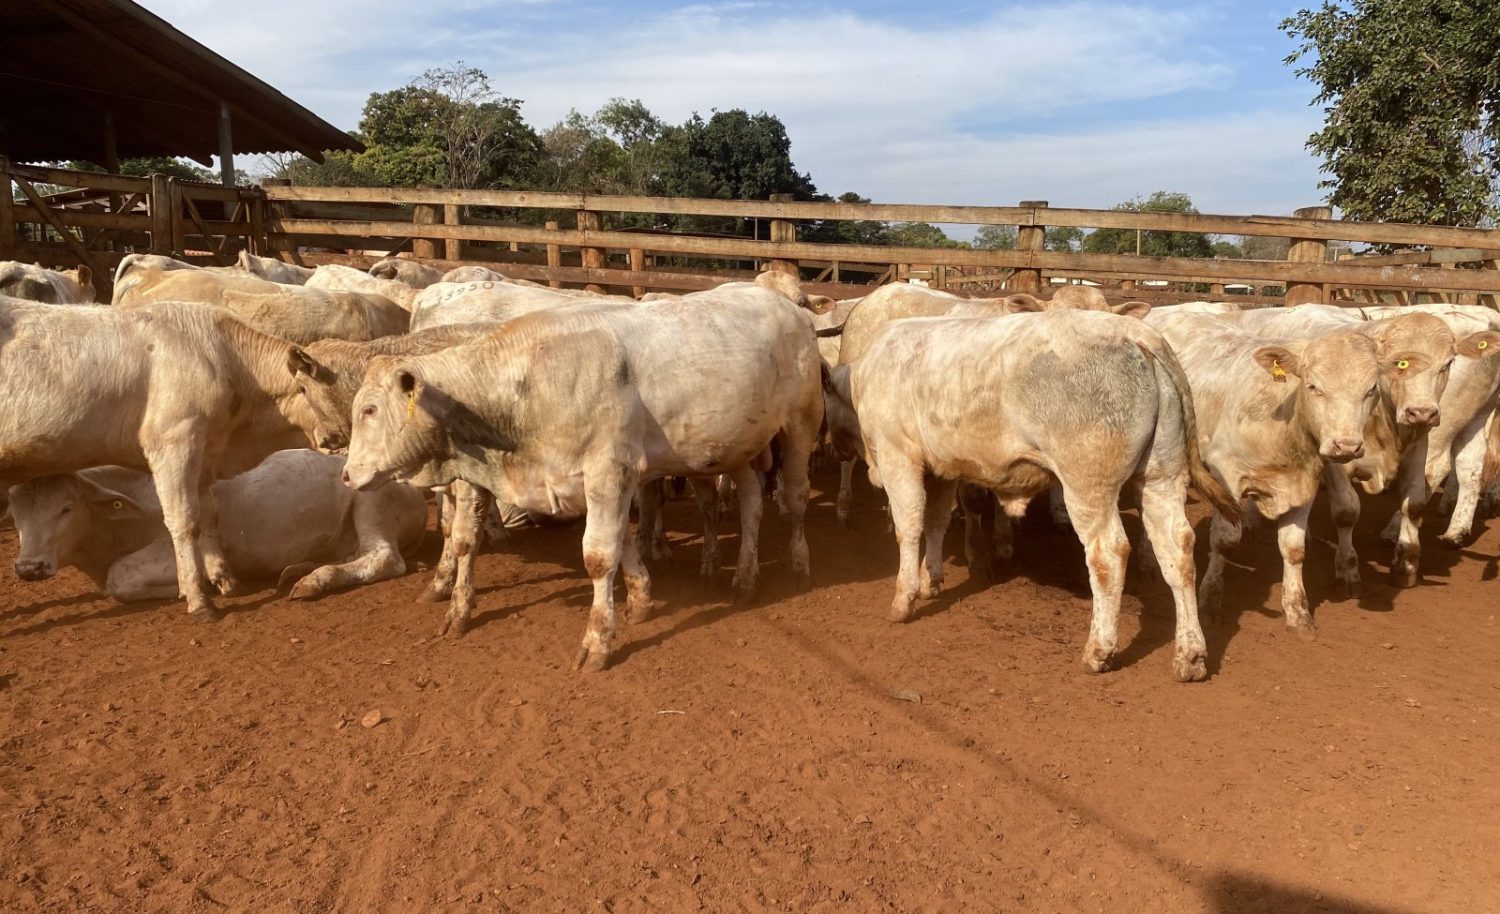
838,410
54,516
82,280
397,424
328,393
1416,352
1091,298
1339,380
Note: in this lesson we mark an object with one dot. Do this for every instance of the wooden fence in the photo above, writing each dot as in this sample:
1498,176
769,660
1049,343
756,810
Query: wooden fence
638,244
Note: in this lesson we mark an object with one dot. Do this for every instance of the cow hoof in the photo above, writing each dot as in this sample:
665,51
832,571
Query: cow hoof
802,581
591,661
843,522
1190,666
204,614
901,611
1403,576
436,592
639,612
744,594
225,584
1303,630
1456,541
1096,660
306,589
455,625
1346,590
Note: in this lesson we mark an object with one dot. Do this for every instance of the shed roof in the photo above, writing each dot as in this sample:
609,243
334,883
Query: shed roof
67,65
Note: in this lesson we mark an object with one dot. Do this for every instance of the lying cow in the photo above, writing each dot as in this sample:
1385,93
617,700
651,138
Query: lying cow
184,391
1273,414
413,273
1093,400
292,519
32,282
567,412
294,313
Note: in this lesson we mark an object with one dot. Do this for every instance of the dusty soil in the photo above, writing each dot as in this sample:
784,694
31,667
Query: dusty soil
763,759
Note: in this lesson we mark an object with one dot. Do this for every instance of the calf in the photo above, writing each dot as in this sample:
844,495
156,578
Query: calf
290,517
566,412
1092,400
1274,414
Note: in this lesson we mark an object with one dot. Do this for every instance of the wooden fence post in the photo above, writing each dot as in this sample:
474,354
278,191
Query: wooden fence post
554,257
8,240
161,215
453,248
259,242
638,265
426,214
591,258
1305,250
174,210
1030,238
784,230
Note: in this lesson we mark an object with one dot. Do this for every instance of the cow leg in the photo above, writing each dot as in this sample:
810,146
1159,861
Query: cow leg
1291,537
146,574
378,556
1107,550
1343,501
638,603
747,483
794,489
441,586
979,539
1467,479
706,494
472,506
1171,538
844,507
176,464
1406,564
1057,504
651,536
209,541
906,489
606,527
1223,536
937,515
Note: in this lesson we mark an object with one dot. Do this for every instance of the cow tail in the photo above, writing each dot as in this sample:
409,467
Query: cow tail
1207,484
831,331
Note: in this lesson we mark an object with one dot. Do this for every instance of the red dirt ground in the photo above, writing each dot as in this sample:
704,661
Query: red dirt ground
756,759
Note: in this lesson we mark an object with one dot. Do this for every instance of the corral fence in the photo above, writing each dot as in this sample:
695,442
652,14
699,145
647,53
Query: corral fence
640,244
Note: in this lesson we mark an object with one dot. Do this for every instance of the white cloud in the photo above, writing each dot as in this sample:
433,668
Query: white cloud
941,110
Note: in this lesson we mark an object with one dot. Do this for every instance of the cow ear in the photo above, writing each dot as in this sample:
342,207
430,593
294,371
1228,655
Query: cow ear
85,275
821,304
110,504
1136,309
419,395
1020,303
1278,361
1480,345
299,362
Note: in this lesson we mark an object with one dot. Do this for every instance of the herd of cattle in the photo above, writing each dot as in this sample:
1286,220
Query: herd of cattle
160,444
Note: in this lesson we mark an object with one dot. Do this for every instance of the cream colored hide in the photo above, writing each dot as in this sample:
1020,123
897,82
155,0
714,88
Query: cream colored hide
566,412
294,313
1093,400
1417,353
328,374
133,262
473,273
1273,415
335,277
183,391
290,517
487,301
31,282
1456,448
398,269
275,270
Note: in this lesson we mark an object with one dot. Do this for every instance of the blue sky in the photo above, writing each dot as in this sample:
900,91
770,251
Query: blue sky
1081,103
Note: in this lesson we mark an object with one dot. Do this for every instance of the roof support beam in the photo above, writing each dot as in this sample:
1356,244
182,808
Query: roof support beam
226,145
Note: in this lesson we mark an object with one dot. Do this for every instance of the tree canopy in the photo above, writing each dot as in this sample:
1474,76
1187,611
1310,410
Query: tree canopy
1411,92
1151,243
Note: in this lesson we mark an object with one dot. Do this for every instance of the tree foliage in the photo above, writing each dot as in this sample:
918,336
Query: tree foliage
1151,243
1411,92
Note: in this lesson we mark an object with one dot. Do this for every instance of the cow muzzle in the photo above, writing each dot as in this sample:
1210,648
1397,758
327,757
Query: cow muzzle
1343,450
34,569
1421,416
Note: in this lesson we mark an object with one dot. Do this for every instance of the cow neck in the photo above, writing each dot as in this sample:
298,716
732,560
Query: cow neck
1385,440
262,359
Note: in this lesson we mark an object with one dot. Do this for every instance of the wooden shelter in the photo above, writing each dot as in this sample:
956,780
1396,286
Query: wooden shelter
105,80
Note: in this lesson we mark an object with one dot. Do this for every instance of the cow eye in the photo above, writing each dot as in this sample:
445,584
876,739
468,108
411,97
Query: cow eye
1313,389
1374,388
67,509
368,410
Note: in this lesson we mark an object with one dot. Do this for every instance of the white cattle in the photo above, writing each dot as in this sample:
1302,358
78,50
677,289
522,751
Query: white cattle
275,270
338,278
473,273
1095,401
294,313
53,287
413,273
488,301
182,390
290,518
566,412
1272,414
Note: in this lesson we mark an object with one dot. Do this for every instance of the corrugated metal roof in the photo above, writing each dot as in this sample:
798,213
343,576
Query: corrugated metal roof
65,64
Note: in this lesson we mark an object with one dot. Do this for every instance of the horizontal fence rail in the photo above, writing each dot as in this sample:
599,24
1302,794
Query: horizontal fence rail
97,218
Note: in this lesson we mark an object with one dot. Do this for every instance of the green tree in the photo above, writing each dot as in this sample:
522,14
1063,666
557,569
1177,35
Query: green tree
159,165
1411,93
1063,238
734,155
995,238
1152,243
920,235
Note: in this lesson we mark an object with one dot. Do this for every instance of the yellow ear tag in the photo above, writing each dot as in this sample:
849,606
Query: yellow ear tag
411,404
1278,372
1403,364
1484,344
